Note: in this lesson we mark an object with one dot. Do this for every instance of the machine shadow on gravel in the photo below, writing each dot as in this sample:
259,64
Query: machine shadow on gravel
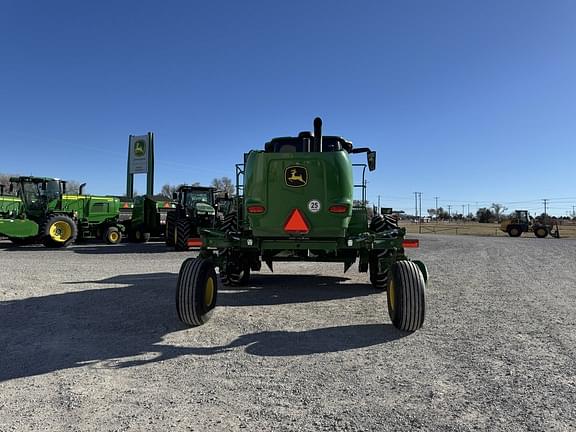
318,341
74,329
91,248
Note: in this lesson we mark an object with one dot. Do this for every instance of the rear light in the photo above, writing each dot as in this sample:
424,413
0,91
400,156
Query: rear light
194,242
256,209
410,243
339,208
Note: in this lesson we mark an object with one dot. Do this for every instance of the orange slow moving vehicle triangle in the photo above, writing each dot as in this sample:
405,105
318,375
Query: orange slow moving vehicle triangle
296,223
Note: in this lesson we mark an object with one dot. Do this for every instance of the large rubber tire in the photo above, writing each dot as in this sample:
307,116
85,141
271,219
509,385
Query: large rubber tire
514,231
182,234
406,296
229,223
141,236
170,226
378,279
59,231
541,232
381,223
112,235
196,291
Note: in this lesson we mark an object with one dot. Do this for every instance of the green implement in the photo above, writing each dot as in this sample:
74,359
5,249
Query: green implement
295,202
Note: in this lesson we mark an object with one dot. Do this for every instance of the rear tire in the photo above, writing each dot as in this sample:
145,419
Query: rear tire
140,236
59,231
378,279
170,226
112,235
514,231
196,291
183,230
229,223
406,296
381,223
541,232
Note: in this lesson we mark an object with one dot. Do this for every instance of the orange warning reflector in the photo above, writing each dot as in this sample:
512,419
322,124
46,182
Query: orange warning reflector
125,205
167,205
194,242
296,223
410,243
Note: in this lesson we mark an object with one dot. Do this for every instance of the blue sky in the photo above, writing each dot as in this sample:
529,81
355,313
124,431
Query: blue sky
470,101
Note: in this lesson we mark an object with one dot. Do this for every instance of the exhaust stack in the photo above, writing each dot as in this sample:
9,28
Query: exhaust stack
318,134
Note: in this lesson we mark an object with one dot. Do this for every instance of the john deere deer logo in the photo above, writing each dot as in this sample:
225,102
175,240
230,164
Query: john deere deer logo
296,176
140,148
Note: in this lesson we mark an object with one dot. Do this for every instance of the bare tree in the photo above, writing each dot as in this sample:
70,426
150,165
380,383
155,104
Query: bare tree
224,185
72,187
167,190
498,210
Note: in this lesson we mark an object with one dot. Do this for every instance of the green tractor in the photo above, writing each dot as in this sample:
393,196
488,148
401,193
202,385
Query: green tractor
47,215
148,218
294,202
194,209
9,204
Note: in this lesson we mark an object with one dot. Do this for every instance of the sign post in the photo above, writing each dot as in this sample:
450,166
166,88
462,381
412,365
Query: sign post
140,161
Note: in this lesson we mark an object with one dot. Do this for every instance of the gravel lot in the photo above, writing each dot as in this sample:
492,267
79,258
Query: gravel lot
90,342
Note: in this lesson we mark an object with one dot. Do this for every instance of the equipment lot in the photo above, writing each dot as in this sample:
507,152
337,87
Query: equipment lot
90,341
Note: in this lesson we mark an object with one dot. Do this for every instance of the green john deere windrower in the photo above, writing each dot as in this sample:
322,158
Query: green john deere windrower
46,214
295,202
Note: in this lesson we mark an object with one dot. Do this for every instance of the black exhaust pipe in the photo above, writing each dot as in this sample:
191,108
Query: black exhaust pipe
81,189
317,134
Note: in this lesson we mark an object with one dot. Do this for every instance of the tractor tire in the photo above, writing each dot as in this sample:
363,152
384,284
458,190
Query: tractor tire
59,231
541,232
112,235
378,279
406,296
514,231
229,223
170,227
182,231
381,223
140,236
196,291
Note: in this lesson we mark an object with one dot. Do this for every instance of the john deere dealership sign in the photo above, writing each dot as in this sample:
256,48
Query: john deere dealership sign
139,154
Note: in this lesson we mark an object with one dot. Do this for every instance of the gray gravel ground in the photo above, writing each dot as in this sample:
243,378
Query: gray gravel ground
89,341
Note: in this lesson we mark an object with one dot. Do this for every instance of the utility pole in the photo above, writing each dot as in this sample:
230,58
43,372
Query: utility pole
449,212
468,210
379,204
436,198
415,204
420,214
463,211
545,206
573,211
